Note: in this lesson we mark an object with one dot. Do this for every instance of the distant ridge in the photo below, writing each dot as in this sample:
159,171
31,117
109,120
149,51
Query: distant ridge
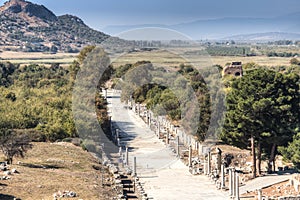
25,26
270,36
225,27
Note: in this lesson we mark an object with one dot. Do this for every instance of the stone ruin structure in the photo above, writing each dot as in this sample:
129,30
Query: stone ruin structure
234,69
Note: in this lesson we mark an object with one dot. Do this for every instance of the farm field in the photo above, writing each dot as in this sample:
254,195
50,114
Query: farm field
37,58
168,57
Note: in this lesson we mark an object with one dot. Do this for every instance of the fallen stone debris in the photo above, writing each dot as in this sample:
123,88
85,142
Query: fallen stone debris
64,194
4,178
6,172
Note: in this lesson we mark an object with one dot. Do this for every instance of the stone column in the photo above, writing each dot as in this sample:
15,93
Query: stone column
219,159
118,142
130,102
134,166
259,194
158,128
196,146
127,156
117,135
237,186
105,93
113,134
167,138
231,182
178,153
120,151
149,118
200,152
209,163
222,176
190,156
205,168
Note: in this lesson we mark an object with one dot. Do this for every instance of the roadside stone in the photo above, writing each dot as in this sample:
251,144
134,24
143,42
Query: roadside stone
64,194
3,166
7,173
4,178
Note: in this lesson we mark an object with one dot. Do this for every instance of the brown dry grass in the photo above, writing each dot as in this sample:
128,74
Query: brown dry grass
49,168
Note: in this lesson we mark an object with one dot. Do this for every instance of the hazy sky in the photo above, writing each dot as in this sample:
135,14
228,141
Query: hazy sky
101,13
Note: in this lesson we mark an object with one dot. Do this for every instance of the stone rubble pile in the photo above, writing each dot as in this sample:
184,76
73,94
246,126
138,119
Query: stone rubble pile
64,194
6,172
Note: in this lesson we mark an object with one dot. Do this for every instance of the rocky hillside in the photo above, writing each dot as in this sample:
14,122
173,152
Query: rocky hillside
25,26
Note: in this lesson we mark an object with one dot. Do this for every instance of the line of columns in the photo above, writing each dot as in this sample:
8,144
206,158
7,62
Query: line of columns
233,175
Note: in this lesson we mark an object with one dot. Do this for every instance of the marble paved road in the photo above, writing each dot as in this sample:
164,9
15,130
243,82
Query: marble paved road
163,175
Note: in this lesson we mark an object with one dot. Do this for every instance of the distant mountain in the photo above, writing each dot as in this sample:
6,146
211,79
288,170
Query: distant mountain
271,36
26,26
226,27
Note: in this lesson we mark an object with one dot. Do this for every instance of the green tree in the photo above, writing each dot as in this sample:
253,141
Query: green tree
294,61
262,107
292,151
13,144
6,70
84,52
37,98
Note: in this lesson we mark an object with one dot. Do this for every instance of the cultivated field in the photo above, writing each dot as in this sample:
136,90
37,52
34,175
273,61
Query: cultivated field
37,58
174,57
163,57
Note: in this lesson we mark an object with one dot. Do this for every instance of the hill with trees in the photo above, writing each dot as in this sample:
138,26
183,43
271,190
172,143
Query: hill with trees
25,26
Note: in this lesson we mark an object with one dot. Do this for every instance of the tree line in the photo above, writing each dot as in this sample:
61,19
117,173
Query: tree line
262,107
36,103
